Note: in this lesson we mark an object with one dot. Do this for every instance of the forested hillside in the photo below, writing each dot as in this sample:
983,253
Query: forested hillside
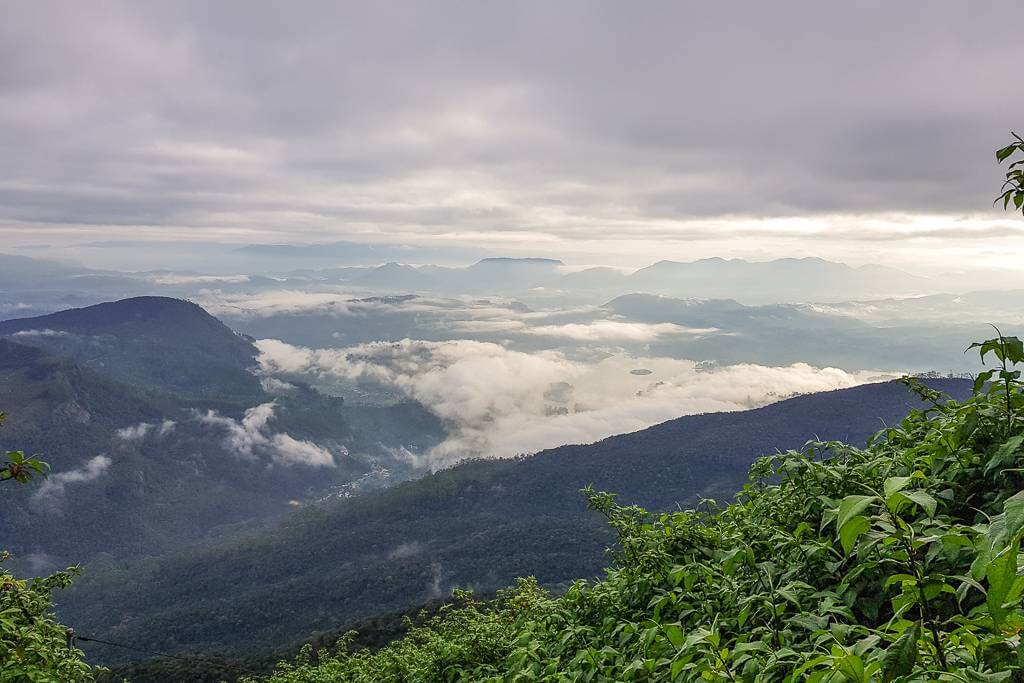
140,406
895,562
149,342
479,525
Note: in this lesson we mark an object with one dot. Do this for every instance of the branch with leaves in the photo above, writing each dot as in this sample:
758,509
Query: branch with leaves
19,468
34,645
1013,188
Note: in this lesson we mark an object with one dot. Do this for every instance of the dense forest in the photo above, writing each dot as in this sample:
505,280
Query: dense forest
131,381
837,562
480,524
895,562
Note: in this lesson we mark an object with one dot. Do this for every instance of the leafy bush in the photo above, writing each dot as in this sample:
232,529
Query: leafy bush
895,562
1013,188
33,645
465,640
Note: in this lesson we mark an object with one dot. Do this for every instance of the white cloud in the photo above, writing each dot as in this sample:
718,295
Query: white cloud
342,303
173,279
273,385
289,451
616,331
499,403
249,438
448,316
40,333
134,432
487,326
138,432
273,302
406,550
52,488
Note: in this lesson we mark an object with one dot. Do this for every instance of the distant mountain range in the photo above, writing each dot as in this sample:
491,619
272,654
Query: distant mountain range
37,284
478,525
782,280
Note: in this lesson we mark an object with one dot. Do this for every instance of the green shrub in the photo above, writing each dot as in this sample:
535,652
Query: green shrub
895,562
33,645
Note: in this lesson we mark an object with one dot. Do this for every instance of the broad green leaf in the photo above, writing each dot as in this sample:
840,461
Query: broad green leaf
901,656
1005,453
851,531
1002,154
851,506
1004,585
1013,511
923,499
982,379
1014,346
852,667
675,636
894,484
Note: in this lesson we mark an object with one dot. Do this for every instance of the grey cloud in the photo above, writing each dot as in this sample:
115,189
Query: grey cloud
464,121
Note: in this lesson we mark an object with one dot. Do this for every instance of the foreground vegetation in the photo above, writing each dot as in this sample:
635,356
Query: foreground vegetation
33,645
897,562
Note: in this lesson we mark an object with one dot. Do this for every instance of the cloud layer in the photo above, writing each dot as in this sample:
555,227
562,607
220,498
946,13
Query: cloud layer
499,403
51,490
250,438
615,130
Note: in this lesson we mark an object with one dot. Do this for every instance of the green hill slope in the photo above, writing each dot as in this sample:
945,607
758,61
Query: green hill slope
895,562
477,525
140,469
149,342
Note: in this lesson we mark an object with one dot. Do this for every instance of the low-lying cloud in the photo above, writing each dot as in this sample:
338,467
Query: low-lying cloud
138,432
40,333
454,317
499,403
250,438
52,488
249,305
615,331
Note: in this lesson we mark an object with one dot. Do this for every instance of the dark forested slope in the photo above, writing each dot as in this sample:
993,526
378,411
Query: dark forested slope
151,342
140,407
136,472
480,525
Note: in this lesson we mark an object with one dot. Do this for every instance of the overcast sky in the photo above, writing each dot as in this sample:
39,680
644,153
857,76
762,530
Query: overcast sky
597,132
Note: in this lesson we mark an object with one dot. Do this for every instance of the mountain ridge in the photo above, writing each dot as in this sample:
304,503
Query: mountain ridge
132,338
478,524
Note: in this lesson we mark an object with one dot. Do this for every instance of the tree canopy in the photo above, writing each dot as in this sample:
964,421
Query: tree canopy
895,562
